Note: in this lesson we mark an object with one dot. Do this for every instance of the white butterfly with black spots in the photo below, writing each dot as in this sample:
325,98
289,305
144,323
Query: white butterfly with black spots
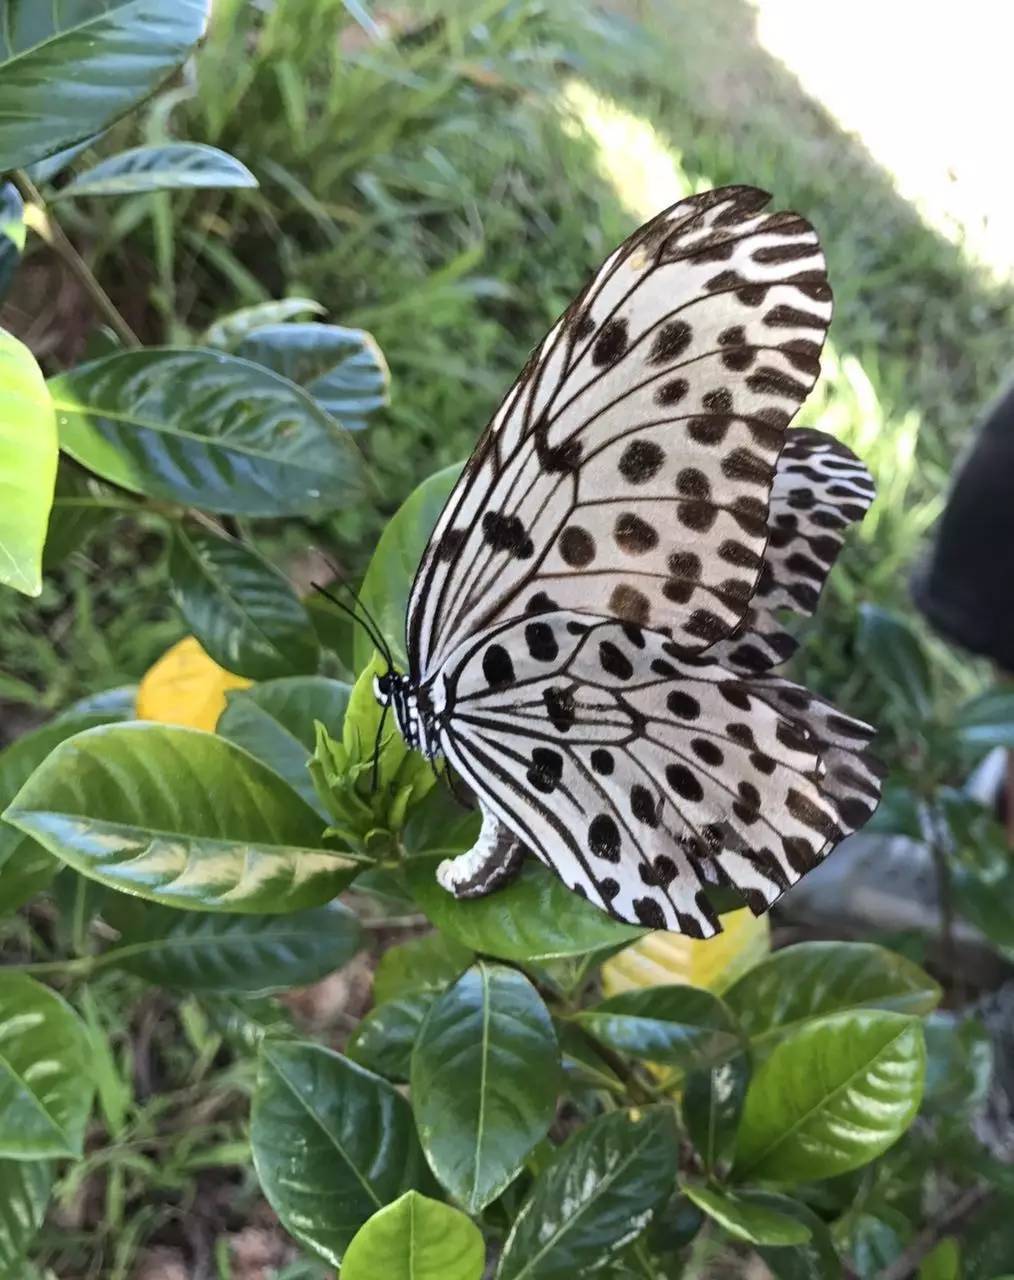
591,631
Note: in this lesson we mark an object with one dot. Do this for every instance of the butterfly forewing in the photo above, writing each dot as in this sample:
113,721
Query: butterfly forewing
628,472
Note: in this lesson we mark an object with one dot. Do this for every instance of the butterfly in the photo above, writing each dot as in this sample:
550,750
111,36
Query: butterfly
592,631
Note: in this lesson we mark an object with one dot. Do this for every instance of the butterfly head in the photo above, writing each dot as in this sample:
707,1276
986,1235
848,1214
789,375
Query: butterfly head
412,712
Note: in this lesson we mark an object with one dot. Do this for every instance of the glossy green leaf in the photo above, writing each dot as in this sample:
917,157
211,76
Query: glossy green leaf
485,1073
28,455
960,1062
108,705
416,1239
12,234
598,1194
536,917
332,1143
817,1259
712,1105
832,1096
241,609
988,720
181,817
385,588
26,868
582,1062
385,1038
274,721
684,1027
428,963
24,1194
343,369
207,430
69,70
254,954
878,1239
943,1263
172,166
746,1219
230,331
813,979
46,1086
894,656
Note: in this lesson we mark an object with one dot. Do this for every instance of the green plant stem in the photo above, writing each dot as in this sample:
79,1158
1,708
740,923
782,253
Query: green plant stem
49,230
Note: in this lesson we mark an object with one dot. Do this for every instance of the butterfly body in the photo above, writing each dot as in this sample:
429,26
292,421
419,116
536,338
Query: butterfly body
591,630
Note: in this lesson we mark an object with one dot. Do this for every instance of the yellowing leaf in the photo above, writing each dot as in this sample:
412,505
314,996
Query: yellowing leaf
661,958
186,687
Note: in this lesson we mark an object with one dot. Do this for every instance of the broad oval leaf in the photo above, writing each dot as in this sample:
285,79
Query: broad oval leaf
485,1072
332,1143
180,817
428,963
26,868
682,1027
598,1194
816,1259
172,166
12,234
24,1194
813,979
388,581
385,1038
46,1087
988,720
747,1219
536,917
343,369
274,721
198,951
207,430
831,1097
242,610
712,1104
231,329
70,70
28,457
416,1238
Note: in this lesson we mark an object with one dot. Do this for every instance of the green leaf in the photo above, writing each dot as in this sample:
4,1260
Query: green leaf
684,1027
332,1143
68,71
240,607
254,954
832,1096
944,1263
385,1038
12,234
746,1219
581,1061
429,963
230,331
343,369
28,455
206,430
485,1072
416,1239
385,588
274,721
812,979
893,654
24,1194
536,917
598,1194
712,1105
987,720
25,866
817,1259
108,704
959,1064
173,166
46,1086
181,817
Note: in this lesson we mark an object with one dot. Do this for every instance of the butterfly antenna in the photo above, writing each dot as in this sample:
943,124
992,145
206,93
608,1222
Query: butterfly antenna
367,623
375,771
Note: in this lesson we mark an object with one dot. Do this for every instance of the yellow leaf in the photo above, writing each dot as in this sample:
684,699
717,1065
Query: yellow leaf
661,958
186,687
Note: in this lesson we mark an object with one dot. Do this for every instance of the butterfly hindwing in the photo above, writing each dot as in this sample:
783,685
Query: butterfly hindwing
628,471
640,773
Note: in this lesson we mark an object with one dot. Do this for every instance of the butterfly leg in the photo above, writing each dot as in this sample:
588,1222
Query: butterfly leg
493,860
